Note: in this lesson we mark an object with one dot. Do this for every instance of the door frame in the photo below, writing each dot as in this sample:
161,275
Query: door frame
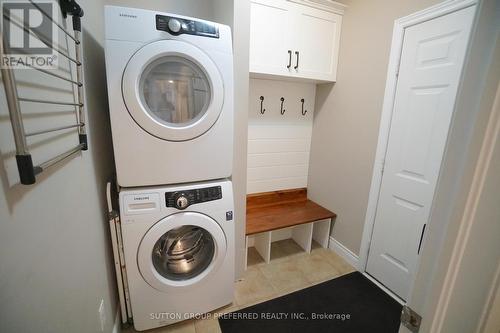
400,25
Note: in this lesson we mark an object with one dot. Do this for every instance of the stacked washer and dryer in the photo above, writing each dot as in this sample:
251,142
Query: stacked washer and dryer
170,89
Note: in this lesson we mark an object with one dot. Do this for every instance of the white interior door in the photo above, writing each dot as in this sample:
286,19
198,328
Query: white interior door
430,67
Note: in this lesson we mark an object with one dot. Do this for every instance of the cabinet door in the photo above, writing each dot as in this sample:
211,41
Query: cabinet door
269,37
317,38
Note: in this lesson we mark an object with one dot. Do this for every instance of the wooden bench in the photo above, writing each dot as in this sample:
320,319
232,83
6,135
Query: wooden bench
269,214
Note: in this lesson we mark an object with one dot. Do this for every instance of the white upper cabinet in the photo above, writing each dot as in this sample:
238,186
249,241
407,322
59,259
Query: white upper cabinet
317,43
293,40
270,49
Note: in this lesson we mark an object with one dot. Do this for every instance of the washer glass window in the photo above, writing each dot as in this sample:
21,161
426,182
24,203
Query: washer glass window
183,252
175,91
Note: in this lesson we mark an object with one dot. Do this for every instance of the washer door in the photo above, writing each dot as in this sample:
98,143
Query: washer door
173,90
180,251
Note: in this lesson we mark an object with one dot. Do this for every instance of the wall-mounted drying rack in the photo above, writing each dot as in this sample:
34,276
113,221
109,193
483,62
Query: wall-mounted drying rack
27,171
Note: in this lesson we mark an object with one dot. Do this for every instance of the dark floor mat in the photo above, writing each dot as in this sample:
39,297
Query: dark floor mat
350,303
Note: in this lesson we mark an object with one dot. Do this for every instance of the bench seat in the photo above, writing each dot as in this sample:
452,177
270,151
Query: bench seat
269,212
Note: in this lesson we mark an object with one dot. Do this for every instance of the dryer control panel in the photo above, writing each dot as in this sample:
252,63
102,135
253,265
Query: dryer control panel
178,26
183,199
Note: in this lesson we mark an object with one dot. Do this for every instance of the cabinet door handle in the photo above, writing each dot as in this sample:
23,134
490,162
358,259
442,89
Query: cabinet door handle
289,59
297,64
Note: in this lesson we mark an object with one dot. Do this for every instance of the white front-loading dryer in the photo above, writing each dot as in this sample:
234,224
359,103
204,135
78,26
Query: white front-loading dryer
178,243
170,92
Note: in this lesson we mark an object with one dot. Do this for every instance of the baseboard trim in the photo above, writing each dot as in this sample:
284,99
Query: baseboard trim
117,325
344,252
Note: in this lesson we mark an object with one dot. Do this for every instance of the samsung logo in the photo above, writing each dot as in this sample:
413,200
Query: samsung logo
141,198
128,15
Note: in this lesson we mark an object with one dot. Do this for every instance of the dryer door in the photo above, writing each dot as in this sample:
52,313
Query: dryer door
180,251
173,90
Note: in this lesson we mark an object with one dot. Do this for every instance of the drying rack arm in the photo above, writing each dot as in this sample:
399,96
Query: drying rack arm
27,171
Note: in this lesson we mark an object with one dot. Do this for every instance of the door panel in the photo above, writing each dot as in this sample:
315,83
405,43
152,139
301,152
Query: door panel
317,35
180,251
173,90
270,37
431,63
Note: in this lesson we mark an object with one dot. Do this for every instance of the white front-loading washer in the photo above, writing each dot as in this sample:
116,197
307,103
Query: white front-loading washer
178,243
170,92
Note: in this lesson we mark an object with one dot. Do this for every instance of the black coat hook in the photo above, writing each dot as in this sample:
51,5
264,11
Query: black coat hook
303,111
282,99
261,102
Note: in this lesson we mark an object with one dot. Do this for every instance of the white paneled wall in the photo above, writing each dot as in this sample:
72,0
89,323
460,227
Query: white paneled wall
279,145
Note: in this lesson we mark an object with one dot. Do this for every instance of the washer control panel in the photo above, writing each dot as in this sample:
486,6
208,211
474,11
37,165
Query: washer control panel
178,26
183,199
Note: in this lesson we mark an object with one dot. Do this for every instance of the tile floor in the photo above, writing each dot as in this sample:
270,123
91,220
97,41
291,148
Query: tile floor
290,269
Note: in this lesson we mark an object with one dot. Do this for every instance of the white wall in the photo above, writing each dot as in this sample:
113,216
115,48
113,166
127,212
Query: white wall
236,14
241,40
55,259
491,322
278,145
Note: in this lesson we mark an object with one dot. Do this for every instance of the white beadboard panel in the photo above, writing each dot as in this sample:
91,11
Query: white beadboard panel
276,184
279,131
259,146
276,172
275,159
279,145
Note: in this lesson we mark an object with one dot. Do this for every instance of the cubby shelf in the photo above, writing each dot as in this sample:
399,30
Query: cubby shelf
278,215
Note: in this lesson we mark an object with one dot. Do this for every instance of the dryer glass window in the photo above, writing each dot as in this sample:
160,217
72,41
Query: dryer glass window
175,91
183,253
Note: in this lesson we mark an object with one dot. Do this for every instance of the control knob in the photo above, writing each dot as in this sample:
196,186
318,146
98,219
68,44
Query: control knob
174,25
181,202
